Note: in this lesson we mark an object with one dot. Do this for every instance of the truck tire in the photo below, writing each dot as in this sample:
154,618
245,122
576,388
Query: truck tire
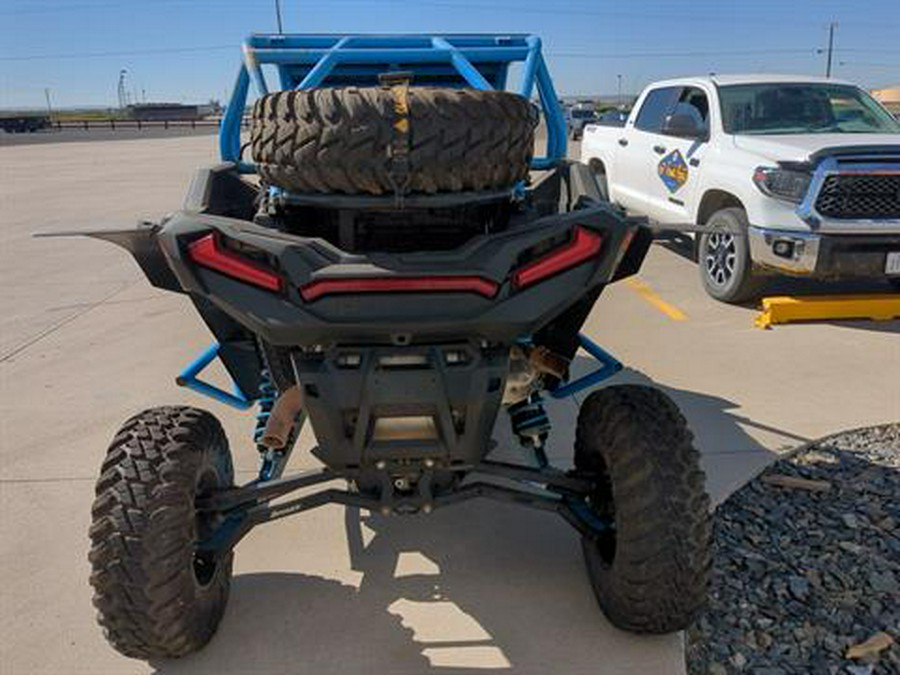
650,573
726,269
157,597
350,140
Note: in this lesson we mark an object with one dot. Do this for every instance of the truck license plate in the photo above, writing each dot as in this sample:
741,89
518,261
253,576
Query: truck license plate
892,264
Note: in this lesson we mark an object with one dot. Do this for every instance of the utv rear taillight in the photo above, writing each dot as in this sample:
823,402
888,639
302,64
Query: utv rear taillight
208,252
583,246
435,284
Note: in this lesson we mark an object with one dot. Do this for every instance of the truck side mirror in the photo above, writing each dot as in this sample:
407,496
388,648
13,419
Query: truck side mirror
683,126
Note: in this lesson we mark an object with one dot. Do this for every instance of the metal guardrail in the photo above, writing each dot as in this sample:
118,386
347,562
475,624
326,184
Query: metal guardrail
88,124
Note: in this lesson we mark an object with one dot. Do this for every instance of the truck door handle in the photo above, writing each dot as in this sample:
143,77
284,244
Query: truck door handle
694,162
623,142
659,149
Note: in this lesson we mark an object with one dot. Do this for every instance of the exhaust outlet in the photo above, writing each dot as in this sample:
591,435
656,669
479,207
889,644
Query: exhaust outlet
281,420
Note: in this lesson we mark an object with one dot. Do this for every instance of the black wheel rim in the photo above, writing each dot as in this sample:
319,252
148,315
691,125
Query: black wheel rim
600,502
205,563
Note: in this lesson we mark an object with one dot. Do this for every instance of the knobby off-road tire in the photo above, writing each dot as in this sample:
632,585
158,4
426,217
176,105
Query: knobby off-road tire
344,140
652,574
156,598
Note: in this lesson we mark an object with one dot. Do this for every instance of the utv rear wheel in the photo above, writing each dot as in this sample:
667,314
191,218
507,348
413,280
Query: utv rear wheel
156,594
650,572
352,140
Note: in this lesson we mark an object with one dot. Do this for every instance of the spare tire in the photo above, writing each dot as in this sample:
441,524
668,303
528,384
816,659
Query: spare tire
399,139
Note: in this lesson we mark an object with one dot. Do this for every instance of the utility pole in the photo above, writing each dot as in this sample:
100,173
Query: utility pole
831,28
278,15
619,94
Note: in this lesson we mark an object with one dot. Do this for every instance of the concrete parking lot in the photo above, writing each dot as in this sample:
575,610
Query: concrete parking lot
85,342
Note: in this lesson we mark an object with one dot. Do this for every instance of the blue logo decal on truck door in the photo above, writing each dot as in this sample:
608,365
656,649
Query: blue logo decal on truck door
673,170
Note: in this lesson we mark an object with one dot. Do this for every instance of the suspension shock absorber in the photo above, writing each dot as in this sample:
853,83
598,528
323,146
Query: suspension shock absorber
532,425
267,395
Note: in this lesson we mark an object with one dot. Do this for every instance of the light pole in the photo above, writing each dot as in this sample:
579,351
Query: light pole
619,91
49,106
123,92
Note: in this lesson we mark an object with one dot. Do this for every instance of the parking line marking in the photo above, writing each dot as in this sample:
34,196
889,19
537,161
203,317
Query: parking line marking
646,291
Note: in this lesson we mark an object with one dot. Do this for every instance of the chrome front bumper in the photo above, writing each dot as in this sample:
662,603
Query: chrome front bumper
823,256
784,250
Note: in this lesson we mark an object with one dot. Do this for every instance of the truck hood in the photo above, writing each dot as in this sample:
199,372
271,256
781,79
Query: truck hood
798,147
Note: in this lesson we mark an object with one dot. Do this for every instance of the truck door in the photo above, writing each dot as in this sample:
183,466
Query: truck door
674,172
629,179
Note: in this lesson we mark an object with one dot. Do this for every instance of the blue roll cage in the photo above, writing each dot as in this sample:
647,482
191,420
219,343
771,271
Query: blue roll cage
480,61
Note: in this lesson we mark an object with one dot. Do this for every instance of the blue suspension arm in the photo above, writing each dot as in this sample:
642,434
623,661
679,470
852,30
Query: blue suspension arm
609,366
189,377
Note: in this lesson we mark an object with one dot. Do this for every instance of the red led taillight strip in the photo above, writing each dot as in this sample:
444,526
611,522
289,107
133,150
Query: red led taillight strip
583,246
206,252
462,284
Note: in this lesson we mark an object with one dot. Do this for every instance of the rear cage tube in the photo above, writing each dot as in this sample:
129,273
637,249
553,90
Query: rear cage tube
315,58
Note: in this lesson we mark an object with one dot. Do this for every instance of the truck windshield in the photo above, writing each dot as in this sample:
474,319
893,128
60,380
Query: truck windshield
802,108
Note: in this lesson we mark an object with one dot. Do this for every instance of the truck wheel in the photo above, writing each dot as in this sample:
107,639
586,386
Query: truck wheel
651,572
157,596
726,269
351,140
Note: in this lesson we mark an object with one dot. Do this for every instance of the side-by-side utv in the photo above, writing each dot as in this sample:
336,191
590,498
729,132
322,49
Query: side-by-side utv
384,256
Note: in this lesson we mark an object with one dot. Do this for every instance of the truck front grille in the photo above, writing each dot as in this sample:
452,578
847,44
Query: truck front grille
848,196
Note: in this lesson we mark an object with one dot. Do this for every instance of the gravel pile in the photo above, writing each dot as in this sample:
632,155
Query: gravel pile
807,565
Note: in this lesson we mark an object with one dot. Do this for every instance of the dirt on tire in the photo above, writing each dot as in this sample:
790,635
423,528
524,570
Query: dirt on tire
353,140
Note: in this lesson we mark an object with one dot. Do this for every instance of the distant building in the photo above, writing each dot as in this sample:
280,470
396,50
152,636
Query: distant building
149,112
889,97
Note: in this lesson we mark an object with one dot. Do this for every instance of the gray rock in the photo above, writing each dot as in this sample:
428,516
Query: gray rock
800,577
798,586
865,669
884,582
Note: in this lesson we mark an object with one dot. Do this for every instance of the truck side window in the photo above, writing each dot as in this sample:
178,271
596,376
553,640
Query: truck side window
656,106
693,103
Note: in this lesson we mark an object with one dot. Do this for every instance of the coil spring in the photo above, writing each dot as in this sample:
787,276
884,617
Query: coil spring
266,401
529,420
530,423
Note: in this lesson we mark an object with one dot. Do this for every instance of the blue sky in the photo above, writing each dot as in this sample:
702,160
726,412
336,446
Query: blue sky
187,50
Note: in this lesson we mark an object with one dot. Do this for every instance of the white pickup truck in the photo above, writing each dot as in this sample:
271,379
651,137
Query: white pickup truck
794,175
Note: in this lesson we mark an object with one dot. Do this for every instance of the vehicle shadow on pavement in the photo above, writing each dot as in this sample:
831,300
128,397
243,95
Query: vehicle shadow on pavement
683,245
730,450
475,587
491,587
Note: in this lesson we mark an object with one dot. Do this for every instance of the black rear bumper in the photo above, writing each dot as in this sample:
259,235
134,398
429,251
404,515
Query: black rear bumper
286,318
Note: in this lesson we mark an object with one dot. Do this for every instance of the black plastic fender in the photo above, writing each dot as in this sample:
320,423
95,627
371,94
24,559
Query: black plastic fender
141,242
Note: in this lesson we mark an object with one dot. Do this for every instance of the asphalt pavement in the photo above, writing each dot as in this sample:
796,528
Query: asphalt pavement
85,342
